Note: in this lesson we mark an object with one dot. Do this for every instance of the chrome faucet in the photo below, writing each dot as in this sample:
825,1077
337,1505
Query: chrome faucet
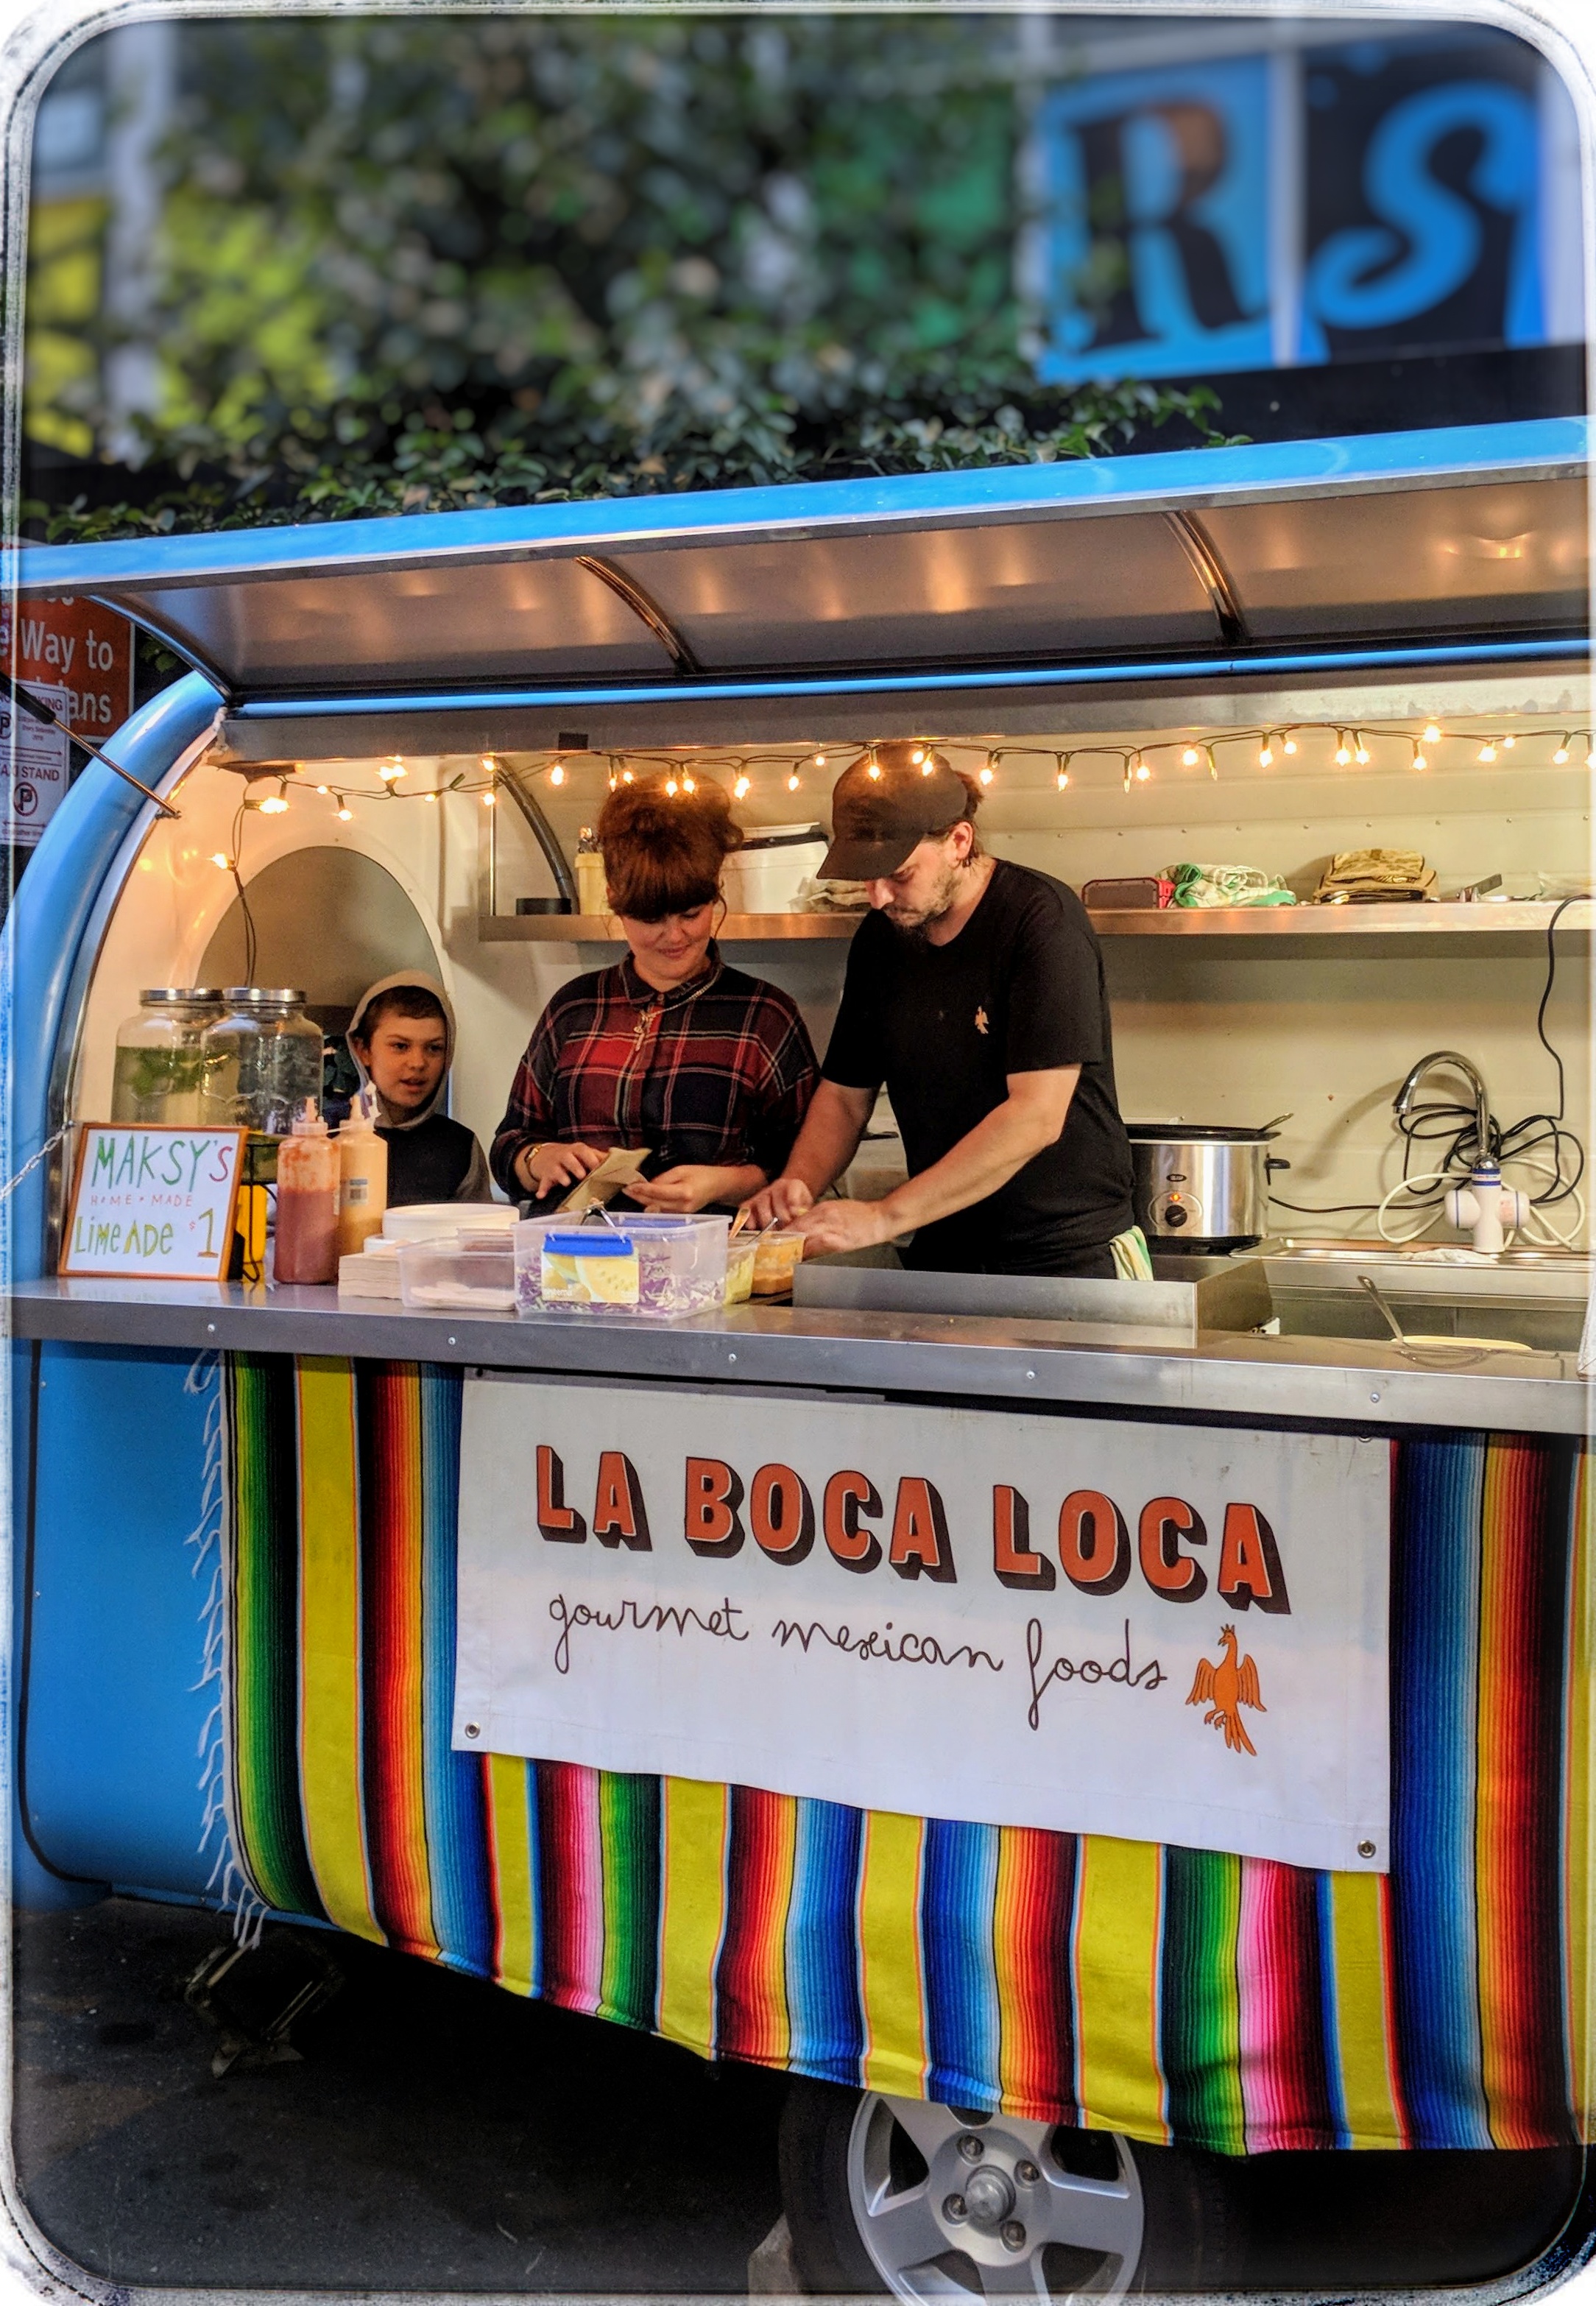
1402,1103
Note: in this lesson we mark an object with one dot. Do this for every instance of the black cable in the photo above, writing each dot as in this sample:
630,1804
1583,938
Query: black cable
249,918
1551,978
1319,1209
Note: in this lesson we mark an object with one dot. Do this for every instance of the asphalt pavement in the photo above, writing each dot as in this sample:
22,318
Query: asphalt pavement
438,2133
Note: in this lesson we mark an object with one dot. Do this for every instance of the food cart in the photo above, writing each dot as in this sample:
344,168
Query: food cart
396,1620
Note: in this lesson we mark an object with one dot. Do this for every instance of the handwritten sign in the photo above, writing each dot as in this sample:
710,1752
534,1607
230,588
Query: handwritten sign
1165,1633
153,1202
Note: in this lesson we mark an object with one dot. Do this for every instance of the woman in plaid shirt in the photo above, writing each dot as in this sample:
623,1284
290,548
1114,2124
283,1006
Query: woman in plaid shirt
711,1070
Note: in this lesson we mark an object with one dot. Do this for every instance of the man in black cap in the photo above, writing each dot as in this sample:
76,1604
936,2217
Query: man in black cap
975,992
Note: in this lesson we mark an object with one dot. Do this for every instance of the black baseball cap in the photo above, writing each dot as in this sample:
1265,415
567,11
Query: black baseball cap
885,804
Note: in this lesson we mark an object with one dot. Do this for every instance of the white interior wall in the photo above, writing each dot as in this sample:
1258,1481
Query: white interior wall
1213,1030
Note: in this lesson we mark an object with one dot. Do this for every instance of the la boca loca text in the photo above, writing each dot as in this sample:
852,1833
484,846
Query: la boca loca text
1096,1545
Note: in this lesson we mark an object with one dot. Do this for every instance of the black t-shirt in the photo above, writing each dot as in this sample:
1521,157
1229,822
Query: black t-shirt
1018,990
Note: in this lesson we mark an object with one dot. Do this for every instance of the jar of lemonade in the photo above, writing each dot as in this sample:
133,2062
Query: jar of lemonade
158,1076
262,1061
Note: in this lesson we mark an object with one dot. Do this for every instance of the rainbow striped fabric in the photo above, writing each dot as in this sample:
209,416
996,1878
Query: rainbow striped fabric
1178,1995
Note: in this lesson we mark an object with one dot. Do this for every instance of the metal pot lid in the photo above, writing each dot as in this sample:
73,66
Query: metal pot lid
1192,1132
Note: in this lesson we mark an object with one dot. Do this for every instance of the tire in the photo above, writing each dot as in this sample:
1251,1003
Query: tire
874,2188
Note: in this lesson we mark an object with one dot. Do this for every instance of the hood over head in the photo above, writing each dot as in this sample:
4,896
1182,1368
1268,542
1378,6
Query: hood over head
424,984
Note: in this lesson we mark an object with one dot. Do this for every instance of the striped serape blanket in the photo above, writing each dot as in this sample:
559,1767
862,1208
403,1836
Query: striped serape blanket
1178,1995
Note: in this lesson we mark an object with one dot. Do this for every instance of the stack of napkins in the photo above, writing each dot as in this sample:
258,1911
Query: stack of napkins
373,1272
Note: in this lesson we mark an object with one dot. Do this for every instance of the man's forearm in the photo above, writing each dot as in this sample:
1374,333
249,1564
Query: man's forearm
830,1136
981,1162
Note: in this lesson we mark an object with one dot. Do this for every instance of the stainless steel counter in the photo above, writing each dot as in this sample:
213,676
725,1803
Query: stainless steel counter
967,1357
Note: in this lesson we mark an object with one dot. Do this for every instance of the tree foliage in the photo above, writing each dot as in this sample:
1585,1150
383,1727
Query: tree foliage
430,262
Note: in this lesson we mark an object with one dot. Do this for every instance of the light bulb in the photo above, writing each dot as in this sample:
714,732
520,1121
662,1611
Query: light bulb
626,777
1561,754
1359,749
688,785
1266,752
792,781
1432,735
987,773
1488,752
392,771
671,787
1142,772
275,804
433,798
224,863
322,788
1213,764
1063,779
1190,758
1591,760
820,760
1419,760
556,773
928,768
1343,751
739,789
1063,760
489,799
1508,743
918,756
873,768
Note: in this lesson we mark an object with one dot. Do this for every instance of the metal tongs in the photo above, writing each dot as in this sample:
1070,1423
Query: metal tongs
1422,1346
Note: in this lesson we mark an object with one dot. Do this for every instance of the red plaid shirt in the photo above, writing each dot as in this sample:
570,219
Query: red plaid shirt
718,1070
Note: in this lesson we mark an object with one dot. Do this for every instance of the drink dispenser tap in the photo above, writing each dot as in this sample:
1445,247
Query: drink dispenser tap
1485,1206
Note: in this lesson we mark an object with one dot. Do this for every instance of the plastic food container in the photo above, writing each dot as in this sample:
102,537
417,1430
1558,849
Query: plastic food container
740,1254
777,1257
442,1220
658,1268
767,873
474,1273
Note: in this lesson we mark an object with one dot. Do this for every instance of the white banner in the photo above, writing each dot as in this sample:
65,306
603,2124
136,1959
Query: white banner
1167,1633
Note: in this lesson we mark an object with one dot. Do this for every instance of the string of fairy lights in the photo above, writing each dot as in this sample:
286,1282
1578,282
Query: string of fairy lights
1346,745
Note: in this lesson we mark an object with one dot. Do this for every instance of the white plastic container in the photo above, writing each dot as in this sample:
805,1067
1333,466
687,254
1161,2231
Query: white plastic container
648,1268
765,875
441,1220
473,1273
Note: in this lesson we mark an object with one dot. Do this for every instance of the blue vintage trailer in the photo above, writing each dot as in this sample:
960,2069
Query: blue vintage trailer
1023,2053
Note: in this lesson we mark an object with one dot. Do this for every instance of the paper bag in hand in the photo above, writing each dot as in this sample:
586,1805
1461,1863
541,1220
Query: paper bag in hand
613,1174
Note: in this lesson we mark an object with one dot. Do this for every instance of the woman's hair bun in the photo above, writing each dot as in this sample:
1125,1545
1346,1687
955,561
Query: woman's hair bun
663,851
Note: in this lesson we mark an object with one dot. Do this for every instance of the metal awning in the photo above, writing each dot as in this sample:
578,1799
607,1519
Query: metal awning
1457,539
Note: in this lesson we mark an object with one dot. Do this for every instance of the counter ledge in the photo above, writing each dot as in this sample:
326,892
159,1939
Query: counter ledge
1321,1380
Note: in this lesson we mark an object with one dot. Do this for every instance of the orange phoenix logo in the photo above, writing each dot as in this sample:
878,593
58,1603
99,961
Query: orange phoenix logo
1225,1688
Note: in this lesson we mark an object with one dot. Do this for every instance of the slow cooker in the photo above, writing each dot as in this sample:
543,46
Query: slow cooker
1201,1189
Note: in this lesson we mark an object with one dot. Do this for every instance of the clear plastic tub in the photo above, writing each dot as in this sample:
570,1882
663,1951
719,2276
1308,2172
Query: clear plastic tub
658,1268
777,1258
473,1273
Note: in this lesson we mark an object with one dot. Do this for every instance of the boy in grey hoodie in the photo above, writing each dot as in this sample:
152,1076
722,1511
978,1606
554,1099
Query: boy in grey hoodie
401,1039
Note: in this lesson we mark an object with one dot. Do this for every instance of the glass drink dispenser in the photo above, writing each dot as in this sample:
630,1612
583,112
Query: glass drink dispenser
158,1077
262,1060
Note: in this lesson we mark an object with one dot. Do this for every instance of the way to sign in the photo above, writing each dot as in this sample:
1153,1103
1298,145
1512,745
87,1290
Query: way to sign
1167,1633
156,1202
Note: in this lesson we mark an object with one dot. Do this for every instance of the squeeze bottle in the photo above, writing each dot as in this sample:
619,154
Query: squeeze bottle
307,1229
363,1178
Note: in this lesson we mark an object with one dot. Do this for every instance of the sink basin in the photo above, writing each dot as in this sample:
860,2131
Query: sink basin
1536,1297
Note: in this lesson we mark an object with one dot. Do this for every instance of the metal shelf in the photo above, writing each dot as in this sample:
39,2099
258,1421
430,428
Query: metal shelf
1304,921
